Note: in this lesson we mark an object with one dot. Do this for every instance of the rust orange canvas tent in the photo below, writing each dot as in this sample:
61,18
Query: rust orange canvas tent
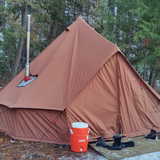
82,77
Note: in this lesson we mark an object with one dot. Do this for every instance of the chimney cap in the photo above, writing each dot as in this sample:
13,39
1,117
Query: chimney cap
29,9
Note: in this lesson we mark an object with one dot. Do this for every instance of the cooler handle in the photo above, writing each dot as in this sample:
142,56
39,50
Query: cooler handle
88,130
71,131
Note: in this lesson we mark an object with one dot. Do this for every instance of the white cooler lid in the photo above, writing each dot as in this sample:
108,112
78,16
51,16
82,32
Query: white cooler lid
79,125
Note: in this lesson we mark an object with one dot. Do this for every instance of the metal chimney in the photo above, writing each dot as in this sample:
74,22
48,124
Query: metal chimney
27,77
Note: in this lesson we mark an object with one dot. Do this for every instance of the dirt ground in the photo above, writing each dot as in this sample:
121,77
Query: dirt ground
11,149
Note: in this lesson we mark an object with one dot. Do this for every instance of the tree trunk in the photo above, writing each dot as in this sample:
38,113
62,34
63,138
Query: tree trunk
144,72
117,28
154,73
53,34
23,55
74,12
2,19
155,84
21,41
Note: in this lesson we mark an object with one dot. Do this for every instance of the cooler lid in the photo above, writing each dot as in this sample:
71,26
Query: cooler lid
79,125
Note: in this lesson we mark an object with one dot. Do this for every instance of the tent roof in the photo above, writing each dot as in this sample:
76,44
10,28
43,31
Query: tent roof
63,69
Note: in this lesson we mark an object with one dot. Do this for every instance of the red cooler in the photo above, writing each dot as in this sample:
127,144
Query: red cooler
79,136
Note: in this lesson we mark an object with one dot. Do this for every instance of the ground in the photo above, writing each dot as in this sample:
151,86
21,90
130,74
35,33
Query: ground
24,150
11,149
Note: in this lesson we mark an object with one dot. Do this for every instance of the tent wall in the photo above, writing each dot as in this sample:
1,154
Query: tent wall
31,124
137,103
113,97
97,103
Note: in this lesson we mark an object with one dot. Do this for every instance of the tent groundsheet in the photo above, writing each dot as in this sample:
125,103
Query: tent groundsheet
142,146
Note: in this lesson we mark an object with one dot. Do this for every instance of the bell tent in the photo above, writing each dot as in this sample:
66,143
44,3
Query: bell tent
82,77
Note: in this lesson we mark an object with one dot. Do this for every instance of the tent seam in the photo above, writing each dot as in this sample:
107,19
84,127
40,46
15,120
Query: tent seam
93,75
72,61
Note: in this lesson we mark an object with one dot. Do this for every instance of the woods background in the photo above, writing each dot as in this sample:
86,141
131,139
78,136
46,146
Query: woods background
134,26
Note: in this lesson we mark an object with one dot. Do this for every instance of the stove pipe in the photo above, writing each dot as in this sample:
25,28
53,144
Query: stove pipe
27,77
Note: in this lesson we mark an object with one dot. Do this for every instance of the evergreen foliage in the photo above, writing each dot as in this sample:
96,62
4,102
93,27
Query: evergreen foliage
134,26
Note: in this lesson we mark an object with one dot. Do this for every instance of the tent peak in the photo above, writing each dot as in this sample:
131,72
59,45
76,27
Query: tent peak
79,20
70,26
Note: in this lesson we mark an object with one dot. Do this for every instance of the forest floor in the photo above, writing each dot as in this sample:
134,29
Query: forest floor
11,149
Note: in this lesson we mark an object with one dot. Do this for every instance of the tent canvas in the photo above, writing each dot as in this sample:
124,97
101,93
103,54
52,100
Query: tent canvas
81,77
